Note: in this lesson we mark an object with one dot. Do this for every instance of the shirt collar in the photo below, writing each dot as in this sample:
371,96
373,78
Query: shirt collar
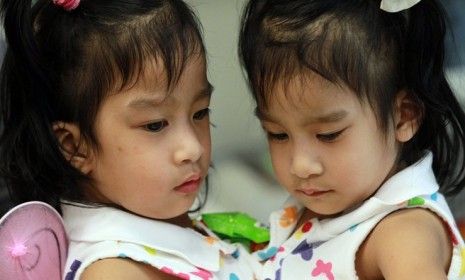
415,180
85,223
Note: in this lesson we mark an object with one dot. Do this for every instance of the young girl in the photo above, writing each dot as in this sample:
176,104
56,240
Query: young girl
363,131
106,118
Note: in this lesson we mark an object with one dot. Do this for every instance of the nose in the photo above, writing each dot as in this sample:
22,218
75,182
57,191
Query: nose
189,147
305,163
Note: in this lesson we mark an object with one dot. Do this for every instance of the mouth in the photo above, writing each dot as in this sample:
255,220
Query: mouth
191,185
313,192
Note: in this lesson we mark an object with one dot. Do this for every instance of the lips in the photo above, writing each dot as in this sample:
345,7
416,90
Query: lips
313,192
191,185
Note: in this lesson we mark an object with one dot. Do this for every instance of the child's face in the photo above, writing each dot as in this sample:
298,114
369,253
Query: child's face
155,146
326,147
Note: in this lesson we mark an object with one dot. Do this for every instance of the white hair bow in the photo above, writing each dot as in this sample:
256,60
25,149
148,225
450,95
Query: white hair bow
394,6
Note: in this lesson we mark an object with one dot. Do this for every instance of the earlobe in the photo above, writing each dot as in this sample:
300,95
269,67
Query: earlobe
407,115
72,146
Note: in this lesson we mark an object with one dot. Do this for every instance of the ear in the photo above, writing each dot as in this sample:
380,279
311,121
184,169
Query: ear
72,146
407,116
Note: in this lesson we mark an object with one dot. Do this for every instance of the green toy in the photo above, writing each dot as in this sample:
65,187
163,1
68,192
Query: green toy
236,226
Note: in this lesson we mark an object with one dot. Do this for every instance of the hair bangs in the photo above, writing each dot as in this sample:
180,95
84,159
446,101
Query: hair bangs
126,49
170,48
341,47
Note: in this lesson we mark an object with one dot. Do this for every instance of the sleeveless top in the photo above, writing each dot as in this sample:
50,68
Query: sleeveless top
326,249
103,232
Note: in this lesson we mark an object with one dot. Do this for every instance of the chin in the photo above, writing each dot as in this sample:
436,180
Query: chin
153,215
325,213
173,214
164,212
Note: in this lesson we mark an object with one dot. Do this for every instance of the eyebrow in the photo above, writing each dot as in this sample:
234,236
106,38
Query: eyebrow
330,117
156,100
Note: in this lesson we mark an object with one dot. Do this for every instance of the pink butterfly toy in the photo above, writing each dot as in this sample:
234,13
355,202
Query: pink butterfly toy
33,243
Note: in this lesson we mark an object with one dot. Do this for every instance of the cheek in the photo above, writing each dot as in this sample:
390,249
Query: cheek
139,156
280,162
360,170
205,141
352,162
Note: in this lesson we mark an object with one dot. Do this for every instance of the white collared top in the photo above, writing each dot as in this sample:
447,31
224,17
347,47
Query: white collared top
103,232
326,249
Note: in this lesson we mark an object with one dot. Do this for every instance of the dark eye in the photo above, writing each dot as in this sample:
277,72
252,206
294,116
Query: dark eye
202,114
277,136
330,137
156,126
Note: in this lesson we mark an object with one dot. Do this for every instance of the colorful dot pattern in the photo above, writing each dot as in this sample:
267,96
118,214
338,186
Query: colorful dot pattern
322,268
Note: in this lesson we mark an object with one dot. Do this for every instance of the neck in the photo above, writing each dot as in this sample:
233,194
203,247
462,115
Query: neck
182,220
308,214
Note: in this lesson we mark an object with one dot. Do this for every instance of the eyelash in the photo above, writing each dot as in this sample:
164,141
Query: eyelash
330,137
158,126
202,114
277,136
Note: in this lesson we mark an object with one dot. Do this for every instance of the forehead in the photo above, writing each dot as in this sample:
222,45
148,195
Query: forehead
151,90
304,92
153,73
312,99
152,76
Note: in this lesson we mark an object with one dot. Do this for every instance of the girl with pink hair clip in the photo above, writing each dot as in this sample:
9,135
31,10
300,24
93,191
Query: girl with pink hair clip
105,110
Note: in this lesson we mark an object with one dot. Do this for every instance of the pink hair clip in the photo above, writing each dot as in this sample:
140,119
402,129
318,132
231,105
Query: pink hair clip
68,5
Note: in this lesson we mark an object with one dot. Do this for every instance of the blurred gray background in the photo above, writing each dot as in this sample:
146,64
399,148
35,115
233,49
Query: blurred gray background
241,178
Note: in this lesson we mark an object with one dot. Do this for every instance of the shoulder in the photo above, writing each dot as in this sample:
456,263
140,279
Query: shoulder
123,269
407,244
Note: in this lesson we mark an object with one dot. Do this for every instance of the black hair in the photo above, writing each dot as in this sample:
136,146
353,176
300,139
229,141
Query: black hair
374,53
60,65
